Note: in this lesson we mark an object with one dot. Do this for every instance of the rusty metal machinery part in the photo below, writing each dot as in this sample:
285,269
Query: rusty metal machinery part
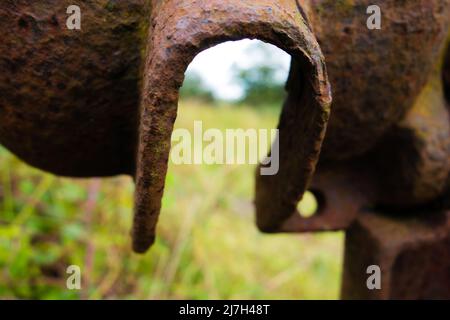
69,99
388,139
412,252
180,30
407,171
102,101
376,75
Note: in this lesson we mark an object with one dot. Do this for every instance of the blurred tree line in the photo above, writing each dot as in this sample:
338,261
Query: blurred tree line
262,82
195,88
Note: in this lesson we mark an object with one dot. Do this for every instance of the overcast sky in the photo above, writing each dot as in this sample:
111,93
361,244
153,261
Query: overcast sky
215,65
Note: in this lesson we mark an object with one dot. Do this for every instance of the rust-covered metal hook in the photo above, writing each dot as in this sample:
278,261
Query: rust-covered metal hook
179,31
110,90
387,142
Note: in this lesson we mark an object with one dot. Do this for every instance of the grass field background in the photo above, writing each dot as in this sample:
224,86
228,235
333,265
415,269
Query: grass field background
207,246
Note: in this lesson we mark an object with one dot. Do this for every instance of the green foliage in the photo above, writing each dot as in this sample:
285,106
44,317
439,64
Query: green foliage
195,89
261,82
260,87
207,244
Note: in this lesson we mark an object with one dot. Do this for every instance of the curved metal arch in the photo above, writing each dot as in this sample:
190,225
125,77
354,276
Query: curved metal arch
179,31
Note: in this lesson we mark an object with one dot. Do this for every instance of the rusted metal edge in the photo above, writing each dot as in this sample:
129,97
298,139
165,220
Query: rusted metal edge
178,32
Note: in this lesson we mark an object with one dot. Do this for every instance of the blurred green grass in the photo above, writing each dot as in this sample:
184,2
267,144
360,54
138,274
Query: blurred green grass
207,246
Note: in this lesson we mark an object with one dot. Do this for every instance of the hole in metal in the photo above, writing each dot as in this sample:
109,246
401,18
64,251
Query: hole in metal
312,204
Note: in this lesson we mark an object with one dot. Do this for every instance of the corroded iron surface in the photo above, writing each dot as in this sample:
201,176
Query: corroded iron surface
69,100
412,253
102,101
388,138
180,30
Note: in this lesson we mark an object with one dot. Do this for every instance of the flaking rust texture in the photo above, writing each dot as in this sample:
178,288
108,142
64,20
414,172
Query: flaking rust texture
69,99
102,101
412,253
388,138
179,31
